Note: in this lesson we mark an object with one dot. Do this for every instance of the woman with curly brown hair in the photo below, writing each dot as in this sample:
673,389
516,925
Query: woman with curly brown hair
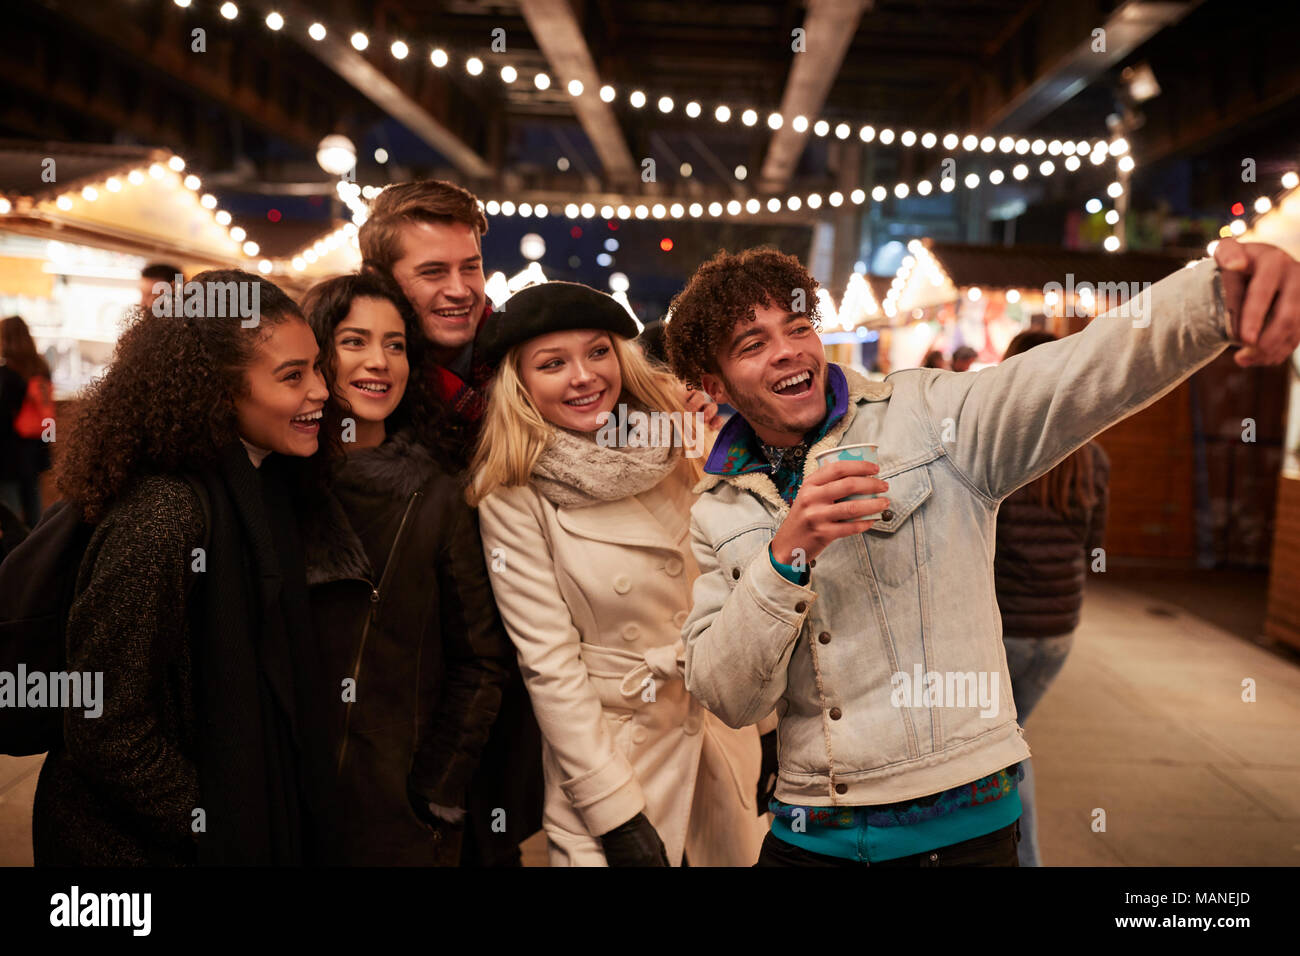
191,599
399,593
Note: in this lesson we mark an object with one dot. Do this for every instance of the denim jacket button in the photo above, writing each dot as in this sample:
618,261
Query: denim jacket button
801,607
824,637
887,515
735,574
836,713
841,788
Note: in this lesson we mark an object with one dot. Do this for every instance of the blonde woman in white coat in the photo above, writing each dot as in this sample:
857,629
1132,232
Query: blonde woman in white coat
587,534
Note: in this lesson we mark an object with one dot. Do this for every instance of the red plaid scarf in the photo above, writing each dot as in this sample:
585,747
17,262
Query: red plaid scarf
466,399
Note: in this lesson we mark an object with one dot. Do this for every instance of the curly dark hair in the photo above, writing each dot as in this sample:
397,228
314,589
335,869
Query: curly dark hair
165,405
725,290
328,302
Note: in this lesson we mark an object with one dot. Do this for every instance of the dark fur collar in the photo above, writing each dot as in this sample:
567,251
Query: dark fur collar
399,467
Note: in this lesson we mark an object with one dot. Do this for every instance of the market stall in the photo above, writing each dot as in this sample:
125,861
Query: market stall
78,223
947,295
1279,224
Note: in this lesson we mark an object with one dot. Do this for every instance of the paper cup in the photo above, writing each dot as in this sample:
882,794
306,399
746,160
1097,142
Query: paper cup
861,452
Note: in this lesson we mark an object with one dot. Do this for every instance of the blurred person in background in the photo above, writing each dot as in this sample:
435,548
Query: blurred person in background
26,420
1047,535
399,592
934,359
962,358
150,276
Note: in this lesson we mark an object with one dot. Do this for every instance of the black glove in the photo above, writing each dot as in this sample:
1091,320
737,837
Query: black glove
635,843
767,772
447,837
420,807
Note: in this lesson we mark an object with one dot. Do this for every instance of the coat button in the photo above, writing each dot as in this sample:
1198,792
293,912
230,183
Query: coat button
639,734
622,584
887,515
679,619
691,725
824,637
801,607
735,574
841,788
631,632
673,566
836,713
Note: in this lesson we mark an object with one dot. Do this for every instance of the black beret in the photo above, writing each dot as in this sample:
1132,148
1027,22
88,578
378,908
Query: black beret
545,308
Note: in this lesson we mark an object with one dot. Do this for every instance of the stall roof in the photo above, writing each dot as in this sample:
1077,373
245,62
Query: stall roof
26,167
145,201
1034,267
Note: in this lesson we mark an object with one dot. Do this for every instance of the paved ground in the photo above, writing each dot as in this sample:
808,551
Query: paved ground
1146,722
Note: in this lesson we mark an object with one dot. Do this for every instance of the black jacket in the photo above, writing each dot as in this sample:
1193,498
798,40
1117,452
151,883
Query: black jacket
404,613
1043,559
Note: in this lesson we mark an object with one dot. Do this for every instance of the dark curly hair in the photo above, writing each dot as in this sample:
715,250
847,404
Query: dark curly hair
165,405
725,290
328,302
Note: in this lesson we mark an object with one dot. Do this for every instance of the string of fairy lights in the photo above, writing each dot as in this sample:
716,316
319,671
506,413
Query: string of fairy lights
1072,150
793,202
509,75
1262,204
1071,153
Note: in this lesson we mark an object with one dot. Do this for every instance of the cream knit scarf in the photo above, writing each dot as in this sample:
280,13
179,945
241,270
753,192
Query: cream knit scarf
576,472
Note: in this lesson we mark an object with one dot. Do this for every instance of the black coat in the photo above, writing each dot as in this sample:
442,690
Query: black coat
1043,559
208,746
404,614
122,788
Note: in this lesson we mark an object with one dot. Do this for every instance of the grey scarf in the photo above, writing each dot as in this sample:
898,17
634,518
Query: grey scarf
576,472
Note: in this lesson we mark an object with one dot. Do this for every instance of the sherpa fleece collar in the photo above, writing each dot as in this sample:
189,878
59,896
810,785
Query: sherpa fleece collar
860,390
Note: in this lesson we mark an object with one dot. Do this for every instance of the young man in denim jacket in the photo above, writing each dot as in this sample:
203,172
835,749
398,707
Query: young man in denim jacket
871,625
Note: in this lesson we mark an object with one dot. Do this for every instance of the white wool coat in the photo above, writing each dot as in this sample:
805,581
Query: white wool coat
594,599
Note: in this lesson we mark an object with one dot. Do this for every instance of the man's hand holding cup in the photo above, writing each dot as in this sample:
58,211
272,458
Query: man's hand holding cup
840,498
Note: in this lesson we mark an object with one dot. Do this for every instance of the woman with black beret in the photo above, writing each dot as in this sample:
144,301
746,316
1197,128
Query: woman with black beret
583,477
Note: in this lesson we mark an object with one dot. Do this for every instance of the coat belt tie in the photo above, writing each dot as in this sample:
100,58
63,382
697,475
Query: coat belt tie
664,663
